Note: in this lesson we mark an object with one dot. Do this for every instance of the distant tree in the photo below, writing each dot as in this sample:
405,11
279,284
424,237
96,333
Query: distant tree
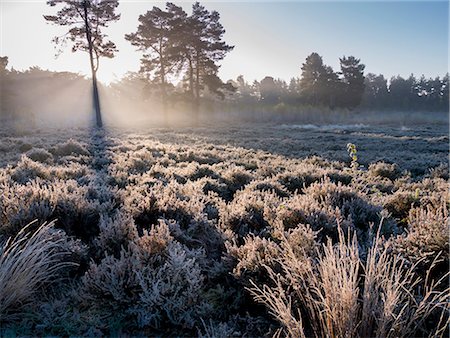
202,47
293,90
3,85
158,37
375,91
85,20
256,87
444,104
3,64
269,91
352,71
329,87
402,94
319,84
245,92
282,90
310,81
435,93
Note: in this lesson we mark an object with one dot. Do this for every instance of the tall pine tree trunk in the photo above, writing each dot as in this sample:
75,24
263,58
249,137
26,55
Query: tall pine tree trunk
197,91
192,92
164,90
95,96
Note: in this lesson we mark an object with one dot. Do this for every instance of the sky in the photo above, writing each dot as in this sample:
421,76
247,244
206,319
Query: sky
270,38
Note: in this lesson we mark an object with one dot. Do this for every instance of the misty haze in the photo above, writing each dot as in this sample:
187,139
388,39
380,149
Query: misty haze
224,169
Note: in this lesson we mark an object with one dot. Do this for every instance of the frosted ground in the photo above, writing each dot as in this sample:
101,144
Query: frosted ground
225,231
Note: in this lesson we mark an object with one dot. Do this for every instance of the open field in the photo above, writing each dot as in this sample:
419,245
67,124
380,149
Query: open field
225,231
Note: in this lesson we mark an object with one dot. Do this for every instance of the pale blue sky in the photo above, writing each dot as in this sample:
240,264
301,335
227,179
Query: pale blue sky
270,38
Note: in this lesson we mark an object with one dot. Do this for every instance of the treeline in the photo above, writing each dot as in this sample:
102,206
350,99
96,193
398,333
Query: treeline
319,85
37,94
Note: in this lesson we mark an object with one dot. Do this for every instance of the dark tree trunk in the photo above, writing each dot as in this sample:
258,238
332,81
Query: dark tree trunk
96,99
164,91
95,96
197,91
192,92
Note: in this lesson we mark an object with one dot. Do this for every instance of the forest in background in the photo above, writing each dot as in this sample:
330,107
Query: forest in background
178,80
38,95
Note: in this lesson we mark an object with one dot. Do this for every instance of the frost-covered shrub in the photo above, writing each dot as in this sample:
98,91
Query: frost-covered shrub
339,177
399,204
70,147
171,292
78,217
157,283
217,330
27,170
268,186
253,255
298,181
24,147
72,171
200,233
302,209
302,240
427,235
349,202
249,212
109,289
116,232
35,209
383,169
217,187
202,171
236,178
40,155
21,205
65,201
441,171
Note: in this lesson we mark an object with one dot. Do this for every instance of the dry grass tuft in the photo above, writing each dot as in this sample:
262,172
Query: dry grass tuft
343,296
27,262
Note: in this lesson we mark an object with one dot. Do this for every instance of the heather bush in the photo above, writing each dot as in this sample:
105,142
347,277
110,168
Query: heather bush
441,171
236,178
21,204
350,203
386,170
249,213
297,181
400,203
427,236
40,155
28,170
253,255
70,147
24,147
116,232
156,283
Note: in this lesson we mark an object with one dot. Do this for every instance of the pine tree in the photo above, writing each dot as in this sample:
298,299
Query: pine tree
85,20
318,83
203,49
157,36
352,71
